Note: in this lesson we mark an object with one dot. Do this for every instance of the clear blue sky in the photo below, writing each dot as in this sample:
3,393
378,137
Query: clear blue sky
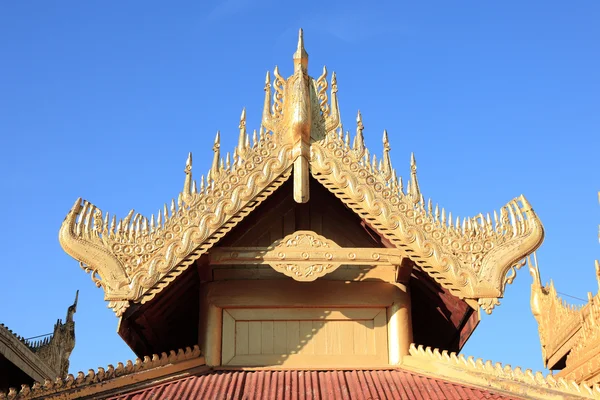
105,99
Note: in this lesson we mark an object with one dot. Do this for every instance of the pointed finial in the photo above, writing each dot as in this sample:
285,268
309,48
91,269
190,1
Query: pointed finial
242,138
359,139
301,56
187,185
415,191
386,162
214,171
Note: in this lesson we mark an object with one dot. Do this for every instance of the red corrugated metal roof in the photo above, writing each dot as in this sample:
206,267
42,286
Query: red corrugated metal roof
317,385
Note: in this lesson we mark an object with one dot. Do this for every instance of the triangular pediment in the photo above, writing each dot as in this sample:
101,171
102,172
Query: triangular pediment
301,138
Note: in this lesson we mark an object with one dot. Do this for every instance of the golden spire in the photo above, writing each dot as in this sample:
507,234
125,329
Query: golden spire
214,171
414,191
242,138
298,114
387,163
301,56
187,185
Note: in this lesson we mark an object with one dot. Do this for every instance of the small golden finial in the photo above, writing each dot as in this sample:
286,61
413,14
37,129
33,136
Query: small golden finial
359,141
214,171
387,163
301,56
187,185
242,138
415,191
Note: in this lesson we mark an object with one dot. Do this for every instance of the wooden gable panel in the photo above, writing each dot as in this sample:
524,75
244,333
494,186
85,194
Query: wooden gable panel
280,215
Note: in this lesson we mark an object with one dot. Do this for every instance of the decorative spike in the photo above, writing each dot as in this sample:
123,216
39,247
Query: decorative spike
105,225
88,220
443,216
464,226
215,171
159,221
145,228
347,139
437,212
495,219
457,223
266,117
241,148
194,188
188,175
173,209
400,184
247,144
254,138
374,163
228,161
429,207
120,227
179,202
222,164
166,212
387,163
415,191
113,224
152,227
359,139
367,158
202,184
262,132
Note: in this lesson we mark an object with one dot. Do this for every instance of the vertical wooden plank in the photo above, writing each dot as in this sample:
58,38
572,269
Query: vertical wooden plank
293,337
370,341
289,223
254,337
279,337
332,328
241,338
320,337
228,345
347,337
360,338
307,342
267,337
381,337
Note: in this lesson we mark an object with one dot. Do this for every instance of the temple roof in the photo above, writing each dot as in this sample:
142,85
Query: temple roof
45,358
301,135
425,373
569,334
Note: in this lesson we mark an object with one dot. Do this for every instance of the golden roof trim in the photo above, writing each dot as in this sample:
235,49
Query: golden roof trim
301,133
568,330
102,375
505,372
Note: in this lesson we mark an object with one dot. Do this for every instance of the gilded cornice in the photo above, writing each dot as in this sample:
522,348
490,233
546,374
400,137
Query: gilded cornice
527,383
60,387
301,135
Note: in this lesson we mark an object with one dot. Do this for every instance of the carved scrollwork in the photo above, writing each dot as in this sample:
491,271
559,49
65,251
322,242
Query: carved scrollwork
136,257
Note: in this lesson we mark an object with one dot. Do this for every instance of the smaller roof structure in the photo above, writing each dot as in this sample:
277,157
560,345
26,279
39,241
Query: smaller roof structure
569,334
24,361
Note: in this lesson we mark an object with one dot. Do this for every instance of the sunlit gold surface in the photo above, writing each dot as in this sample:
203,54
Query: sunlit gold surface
134,258
567,330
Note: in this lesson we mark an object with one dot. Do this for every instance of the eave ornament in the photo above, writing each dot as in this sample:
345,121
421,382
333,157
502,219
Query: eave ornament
301,135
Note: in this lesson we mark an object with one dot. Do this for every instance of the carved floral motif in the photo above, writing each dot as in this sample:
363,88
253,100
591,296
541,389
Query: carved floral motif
136,257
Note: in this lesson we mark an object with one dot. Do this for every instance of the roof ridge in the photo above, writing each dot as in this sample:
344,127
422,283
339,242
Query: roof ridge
505,371
16,335
101,375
